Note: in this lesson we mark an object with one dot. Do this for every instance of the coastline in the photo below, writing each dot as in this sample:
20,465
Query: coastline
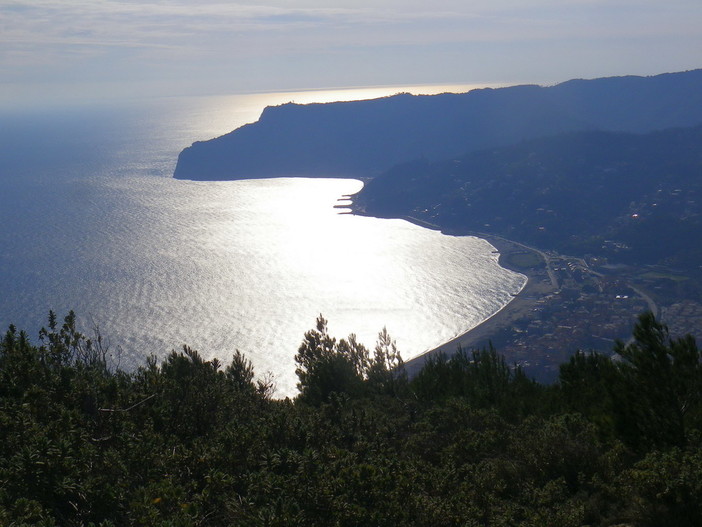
539,284
513,255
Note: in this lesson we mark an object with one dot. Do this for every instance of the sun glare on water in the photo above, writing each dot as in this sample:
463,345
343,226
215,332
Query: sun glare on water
229,112
369,92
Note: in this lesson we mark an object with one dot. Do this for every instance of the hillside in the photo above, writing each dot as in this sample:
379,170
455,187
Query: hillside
365,138
635,197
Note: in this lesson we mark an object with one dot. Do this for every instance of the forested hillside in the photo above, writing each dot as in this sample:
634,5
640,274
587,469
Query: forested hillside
467,441
635,198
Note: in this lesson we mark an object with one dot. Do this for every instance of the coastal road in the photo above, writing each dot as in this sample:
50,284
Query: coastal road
545,257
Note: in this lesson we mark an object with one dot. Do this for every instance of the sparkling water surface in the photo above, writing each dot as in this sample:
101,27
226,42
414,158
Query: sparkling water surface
91,220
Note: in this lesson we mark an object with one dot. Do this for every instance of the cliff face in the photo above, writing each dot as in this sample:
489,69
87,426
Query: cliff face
364,138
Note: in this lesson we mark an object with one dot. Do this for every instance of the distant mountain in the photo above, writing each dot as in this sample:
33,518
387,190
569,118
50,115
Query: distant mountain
365,138
639,196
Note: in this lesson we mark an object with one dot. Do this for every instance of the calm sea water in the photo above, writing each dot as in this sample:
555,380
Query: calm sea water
91,220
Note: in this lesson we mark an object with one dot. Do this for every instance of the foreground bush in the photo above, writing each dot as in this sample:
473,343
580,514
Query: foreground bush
468,441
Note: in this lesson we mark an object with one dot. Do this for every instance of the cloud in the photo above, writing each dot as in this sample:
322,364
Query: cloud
146,23
330,41
200,25
66,30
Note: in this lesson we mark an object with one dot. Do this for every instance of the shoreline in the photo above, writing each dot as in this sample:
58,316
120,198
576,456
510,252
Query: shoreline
538,285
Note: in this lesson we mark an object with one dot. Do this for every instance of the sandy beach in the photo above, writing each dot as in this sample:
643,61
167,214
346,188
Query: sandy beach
539,284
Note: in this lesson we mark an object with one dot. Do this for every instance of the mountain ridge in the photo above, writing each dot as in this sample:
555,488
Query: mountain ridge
361,139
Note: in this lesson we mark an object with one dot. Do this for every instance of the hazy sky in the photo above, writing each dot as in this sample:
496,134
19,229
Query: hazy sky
106,48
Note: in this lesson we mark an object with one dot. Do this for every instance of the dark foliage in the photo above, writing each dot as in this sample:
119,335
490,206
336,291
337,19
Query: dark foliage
468,441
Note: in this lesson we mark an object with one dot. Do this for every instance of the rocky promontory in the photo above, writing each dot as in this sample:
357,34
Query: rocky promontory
361,139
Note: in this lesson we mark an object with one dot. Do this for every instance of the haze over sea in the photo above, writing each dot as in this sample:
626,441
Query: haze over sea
93,221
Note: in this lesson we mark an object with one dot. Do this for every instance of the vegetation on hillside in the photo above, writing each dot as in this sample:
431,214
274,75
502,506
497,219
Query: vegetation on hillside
633,198
469,440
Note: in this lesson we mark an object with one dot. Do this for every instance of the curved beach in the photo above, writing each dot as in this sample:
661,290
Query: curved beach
539,284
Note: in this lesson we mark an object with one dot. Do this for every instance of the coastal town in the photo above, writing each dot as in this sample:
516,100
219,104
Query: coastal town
571,304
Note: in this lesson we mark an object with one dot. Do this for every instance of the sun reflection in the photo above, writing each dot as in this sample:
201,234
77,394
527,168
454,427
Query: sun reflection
234,111
369,92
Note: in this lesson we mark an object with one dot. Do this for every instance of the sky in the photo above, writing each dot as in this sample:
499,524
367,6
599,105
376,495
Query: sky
102,49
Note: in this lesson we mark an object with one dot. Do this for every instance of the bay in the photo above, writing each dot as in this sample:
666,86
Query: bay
91,220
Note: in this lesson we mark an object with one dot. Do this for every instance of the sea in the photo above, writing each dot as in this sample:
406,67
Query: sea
91,220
